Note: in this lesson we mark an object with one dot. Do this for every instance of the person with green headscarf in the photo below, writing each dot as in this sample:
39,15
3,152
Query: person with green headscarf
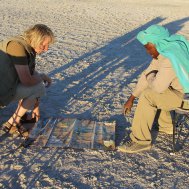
160,87
173,47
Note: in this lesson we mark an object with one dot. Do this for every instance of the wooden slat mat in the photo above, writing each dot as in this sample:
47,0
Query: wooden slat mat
75,133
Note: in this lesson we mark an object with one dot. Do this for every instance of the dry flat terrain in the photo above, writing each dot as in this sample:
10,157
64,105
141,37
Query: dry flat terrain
94,64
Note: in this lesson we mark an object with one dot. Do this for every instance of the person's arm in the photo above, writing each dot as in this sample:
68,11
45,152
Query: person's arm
164,76
25,77
141,85
46,79
19,59
128,105
146,75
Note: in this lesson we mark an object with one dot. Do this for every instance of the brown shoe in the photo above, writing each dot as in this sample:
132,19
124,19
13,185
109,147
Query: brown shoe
8,128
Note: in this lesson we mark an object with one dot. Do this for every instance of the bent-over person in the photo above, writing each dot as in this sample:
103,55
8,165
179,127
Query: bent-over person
20,81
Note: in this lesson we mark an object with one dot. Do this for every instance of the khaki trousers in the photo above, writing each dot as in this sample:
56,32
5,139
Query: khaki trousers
149,102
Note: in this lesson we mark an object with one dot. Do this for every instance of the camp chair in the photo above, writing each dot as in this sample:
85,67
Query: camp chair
180,117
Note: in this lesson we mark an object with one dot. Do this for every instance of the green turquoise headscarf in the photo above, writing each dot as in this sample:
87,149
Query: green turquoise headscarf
173,47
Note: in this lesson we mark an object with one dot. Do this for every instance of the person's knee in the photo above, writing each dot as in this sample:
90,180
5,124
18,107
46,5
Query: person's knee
40,90
148,96
147,93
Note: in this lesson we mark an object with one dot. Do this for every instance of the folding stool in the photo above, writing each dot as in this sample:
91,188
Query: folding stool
180,117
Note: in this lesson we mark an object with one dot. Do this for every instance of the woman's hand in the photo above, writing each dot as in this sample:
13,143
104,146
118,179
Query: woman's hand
46,79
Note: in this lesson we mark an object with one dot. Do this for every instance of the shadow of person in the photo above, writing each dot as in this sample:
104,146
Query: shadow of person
107,72
101,73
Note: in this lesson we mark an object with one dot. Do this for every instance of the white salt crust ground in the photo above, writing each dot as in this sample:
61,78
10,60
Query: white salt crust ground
94,65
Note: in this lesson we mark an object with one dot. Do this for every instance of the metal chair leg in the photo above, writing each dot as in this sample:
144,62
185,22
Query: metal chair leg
180,117
174,128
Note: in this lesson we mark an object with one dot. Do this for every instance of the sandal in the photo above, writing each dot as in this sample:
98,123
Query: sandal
8,128
14,129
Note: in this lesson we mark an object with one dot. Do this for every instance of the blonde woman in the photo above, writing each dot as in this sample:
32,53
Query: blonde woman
21,82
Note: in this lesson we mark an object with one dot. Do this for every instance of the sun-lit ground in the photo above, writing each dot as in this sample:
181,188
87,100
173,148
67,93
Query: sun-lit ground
94,64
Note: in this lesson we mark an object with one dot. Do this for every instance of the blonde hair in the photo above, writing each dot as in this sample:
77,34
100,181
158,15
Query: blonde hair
37,33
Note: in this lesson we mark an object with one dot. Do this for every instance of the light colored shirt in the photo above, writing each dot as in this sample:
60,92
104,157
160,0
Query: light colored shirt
159,76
